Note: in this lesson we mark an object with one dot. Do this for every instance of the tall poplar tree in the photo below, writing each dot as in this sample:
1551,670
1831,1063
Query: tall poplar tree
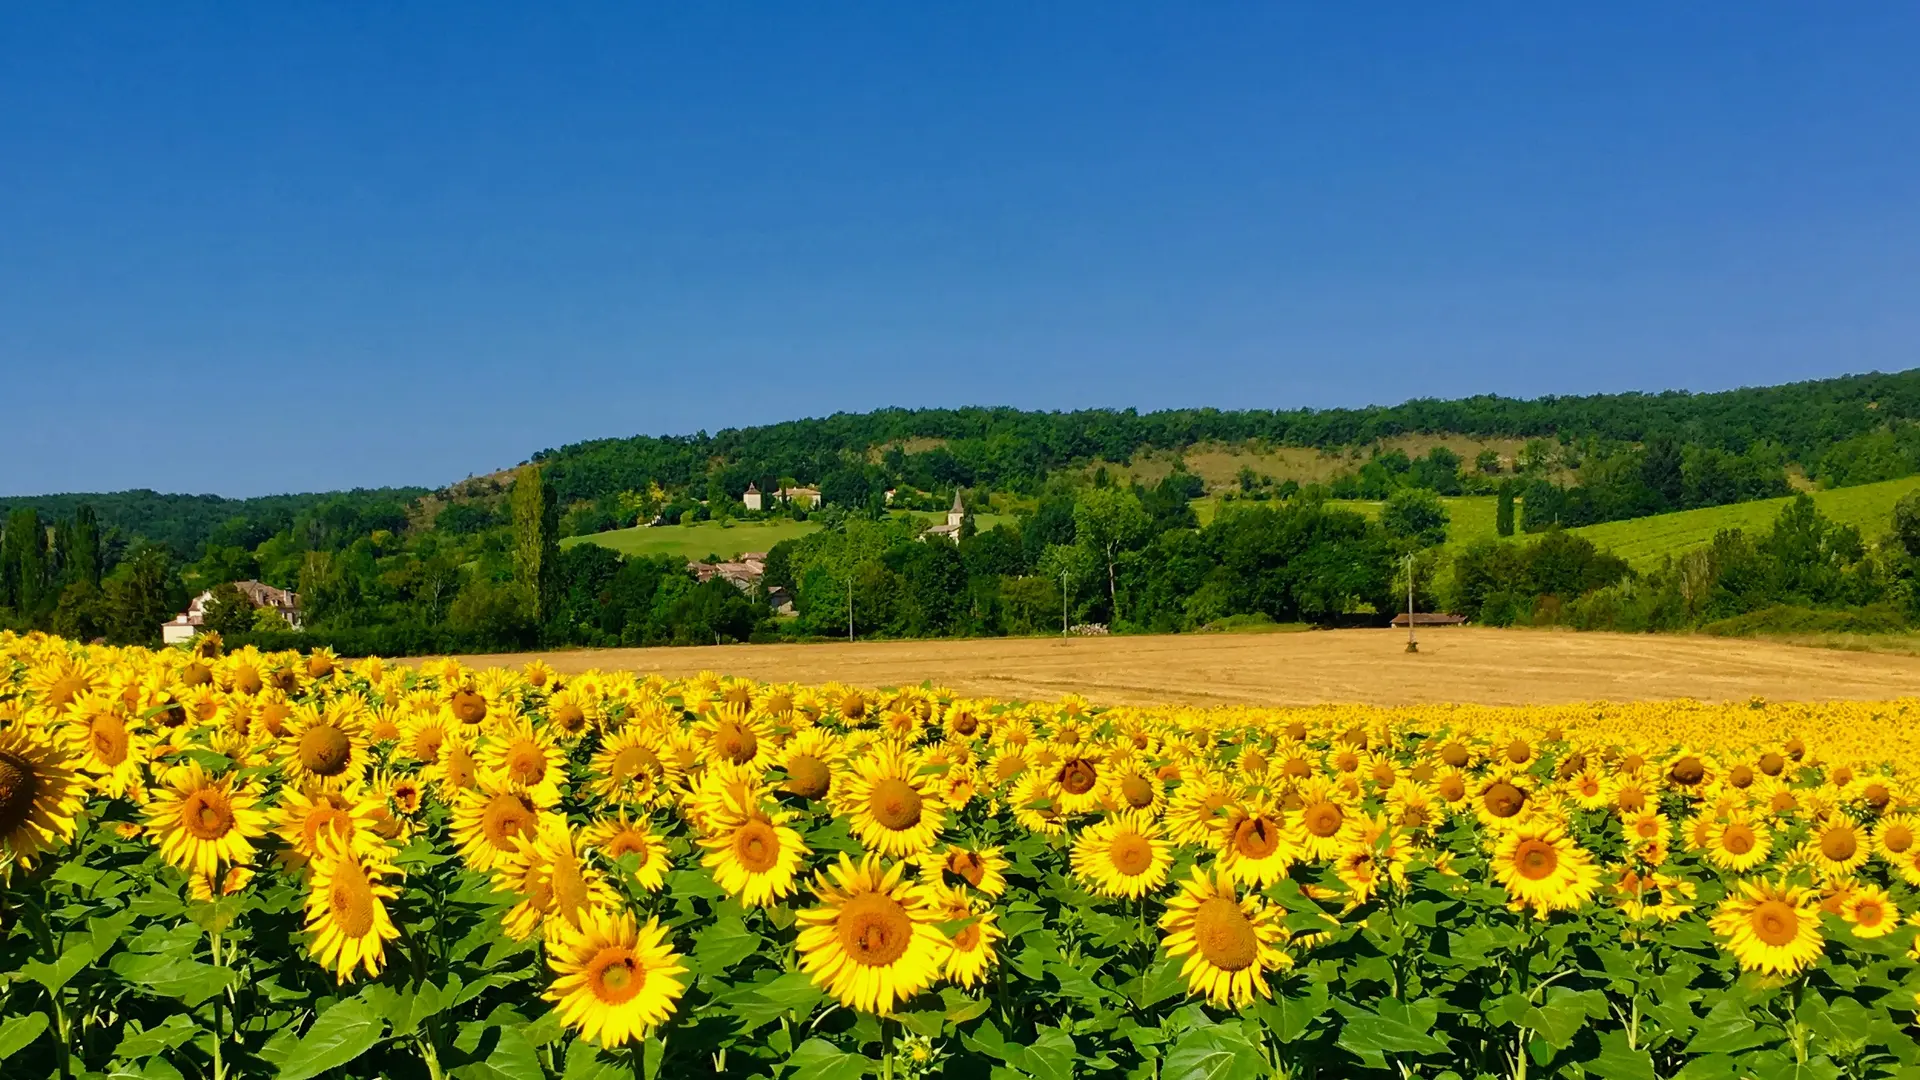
536,540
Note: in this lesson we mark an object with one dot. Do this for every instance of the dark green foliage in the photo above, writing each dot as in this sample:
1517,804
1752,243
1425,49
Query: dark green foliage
143,592
536,542
1503,510
1415,517
229,613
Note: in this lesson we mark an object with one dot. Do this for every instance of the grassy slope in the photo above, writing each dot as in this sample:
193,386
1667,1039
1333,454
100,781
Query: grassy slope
1643,541
699,540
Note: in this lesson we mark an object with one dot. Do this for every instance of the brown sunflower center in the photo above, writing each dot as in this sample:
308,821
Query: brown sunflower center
894,804
1078,776
1503,800
107,735
273,717
968,866
1519,752
1840,776
757,847
1535,859
1738,839
205,814
628,840
569,885
526,762
1257,838
196,674
1322,819
874,929
735,742
568,717
1253,762
324,816
19,785
1454,755
1383,774
1774,922
319,667
807,777
1838,843
1740,776
1687,772
468,707
615,975
965,723
1876,795
1783,800
1771,763
65,689
350,899
1224,934
1131,853
1897,838
1008,766
1137,792
967,938
506,816
1452,788
324,750
247,680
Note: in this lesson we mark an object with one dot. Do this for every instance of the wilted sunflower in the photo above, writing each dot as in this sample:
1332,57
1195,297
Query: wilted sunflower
1542,869
556,887
982,870
619,835
891,807
754,854
617,980
872,943
1771,927
1229,942
325,745
39,794
200,822
1124,855
346,912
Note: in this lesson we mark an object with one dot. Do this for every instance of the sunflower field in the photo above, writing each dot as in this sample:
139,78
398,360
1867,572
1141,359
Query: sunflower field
282,865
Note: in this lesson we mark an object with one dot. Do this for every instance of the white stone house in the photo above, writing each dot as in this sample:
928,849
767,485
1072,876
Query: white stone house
184,626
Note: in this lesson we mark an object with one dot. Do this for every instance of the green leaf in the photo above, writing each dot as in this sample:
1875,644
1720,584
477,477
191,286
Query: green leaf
1219,1052
1725,1030
340,1035
513,1058
105,931
185,980
586,1061
1818,1068
1396,1027
18,1032
1050,1056
1288,1016
1161,982
1564,1014
720,946
55,975
1616,1062
137,1045
818,1059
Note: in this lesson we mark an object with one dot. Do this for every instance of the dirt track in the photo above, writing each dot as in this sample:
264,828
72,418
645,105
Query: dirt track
1496,667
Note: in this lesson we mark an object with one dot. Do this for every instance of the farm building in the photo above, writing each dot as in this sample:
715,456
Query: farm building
1429,618
184,626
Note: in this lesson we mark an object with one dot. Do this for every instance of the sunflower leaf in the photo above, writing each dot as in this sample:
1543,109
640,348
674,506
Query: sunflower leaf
18,1032
55,975
340,1035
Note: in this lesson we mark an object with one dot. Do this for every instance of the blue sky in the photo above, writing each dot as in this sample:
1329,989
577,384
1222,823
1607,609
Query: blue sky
270,247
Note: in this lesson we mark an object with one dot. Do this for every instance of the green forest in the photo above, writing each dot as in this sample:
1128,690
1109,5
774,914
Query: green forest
478,566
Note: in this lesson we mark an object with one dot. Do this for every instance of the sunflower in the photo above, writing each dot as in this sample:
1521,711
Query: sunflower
1193,812
1648,828
304,815
971,935
572,712
619,835
633,767
1229,942
811,761
487,823
616,978
324,745
421,737
893,809
1033,805
1502,800
1376,852
1257,845
556,887
56,680
980,869
345,912
455,771
1326,820
1771,927
199,822
1870,912
1894,836
1124,855
873,942
1837,846
1542,869
754,854
734,735
1135,787
108,749
1738,844
1077,782
39,794
523,759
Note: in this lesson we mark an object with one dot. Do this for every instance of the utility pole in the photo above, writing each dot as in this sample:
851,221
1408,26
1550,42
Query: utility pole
1413,646
849,607
1063,604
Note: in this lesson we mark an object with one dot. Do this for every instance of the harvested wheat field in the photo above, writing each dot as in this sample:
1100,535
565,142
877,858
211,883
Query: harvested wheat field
1456,664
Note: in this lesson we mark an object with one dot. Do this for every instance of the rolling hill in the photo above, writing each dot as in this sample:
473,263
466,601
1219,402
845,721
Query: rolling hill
1643,542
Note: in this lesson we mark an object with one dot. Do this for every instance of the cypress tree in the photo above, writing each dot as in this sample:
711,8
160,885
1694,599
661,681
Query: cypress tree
82,561
536,540
1503,511
23,561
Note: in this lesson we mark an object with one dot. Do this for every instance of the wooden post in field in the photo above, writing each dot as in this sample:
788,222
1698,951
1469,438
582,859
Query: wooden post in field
1412,645
849,607
1063,604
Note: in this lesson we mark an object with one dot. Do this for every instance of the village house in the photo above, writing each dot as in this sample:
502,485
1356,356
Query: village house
184,626
752,499
951,530
755,499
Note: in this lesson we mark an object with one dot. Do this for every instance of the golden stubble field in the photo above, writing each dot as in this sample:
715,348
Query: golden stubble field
1459,664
